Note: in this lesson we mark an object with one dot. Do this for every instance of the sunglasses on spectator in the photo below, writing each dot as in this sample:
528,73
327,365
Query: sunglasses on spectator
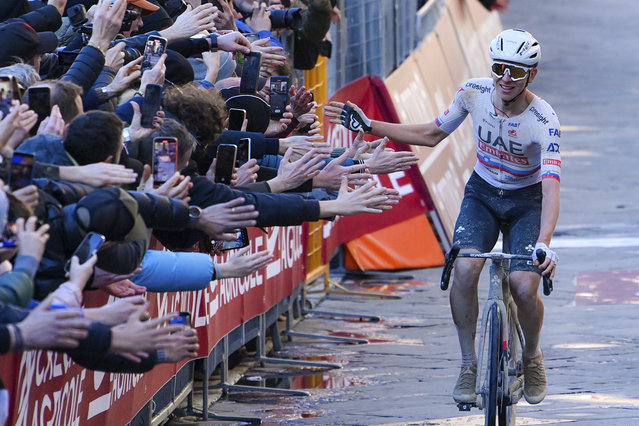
516,72
8,238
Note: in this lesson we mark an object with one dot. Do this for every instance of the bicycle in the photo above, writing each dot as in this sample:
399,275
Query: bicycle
500,378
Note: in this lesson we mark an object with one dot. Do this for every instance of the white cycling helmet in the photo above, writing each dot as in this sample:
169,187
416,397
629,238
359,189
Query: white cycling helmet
515,45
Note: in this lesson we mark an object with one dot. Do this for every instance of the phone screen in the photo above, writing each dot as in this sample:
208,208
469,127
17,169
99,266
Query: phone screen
236,118
7,88
40,103
279,95
153,51
151,104
225,162
21,171
243,151
165,155
89,246
250,72
184,318
241,239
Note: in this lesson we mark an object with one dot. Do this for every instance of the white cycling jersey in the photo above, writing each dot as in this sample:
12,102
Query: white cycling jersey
512,152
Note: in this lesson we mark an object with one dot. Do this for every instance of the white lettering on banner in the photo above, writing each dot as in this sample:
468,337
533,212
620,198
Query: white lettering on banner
403,189
58,408
289,247
340,136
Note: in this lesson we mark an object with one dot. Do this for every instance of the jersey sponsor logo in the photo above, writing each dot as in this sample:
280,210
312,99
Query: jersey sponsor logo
488,123
493,166
514,124
506,156
553,147
512,146
447,111
552,162
461,89
540,117
512,133
554,132
479,87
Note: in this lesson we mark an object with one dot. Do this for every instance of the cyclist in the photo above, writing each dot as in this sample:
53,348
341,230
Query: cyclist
514,188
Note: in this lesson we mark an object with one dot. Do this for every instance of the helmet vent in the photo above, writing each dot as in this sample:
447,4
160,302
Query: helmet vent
521,46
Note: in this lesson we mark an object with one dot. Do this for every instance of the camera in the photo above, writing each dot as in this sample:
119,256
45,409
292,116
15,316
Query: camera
286,18
131,54
77,15
129,17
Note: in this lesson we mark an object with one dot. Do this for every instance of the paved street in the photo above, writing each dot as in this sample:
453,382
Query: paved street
591,332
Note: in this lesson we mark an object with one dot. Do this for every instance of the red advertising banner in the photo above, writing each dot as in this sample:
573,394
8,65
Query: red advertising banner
370,94
49,388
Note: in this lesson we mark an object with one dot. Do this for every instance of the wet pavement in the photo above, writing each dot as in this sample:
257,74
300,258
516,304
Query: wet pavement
405,374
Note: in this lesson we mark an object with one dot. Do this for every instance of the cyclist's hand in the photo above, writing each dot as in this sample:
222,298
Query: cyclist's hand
348,115
549,265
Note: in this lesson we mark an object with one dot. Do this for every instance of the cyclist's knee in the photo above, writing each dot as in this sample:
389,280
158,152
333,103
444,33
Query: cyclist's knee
466,275
524,285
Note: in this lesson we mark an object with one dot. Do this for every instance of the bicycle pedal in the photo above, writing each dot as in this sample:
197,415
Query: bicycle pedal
465,406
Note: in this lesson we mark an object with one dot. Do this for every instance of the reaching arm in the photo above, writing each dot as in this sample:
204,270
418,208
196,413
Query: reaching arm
352,117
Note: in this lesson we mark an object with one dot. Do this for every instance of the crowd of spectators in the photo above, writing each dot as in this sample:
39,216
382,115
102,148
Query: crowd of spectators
93,158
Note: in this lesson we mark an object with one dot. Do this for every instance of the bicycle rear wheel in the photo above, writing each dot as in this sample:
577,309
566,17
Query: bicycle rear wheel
494,366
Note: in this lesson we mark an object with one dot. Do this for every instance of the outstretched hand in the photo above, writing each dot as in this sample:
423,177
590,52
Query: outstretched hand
348,115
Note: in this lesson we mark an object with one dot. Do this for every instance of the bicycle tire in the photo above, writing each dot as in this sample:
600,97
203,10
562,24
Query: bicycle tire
494,366
507,409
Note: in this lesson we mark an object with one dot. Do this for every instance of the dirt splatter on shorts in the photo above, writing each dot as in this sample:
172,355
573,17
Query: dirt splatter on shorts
486,210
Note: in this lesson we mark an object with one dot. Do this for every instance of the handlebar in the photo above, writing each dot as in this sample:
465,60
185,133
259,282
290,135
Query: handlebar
541,256
454,253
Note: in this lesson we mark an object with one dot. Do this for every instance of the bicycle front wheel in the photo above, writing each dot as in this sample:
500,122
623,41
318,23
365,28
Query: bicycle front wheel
494,365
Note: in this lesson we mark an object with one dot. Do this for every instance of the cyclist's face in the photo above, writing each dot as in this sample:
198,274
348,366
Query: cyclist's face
507,89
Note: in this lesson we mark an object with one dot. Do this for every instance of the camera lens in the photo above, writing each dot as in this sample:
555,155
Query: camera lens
289,18
131,54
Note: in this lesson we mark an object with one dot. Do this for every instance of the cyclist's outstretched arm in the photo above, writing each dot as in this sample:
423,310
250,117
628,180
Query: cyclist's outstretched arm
352,117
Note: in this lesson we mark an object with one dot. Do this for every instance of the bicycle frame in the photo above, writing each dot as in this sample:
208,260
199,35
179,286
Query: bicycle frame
501,398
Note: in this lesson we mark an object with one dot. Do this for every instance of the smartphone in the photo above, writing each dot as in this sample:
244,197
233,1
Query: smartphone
243,152
184,318
153,49
21,171
236,118
151,104
9,91
241,239
87,248
250,73
165,156
279,95
40,103
224,163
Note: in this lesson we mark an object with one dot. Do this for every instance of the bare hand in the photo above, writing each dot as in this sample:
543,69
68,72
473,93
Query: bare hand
234,42
330,177
53,124
260,20
242,264
301,101
225,19
125,77
368,198
247,173
271,55
303,144
29,195
116,312
136,131
191,22
46,329
107,21
114,57
293,174
217,219
177,186
31,241
80,273
154,75
180,345
389,161
98,174
142,336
